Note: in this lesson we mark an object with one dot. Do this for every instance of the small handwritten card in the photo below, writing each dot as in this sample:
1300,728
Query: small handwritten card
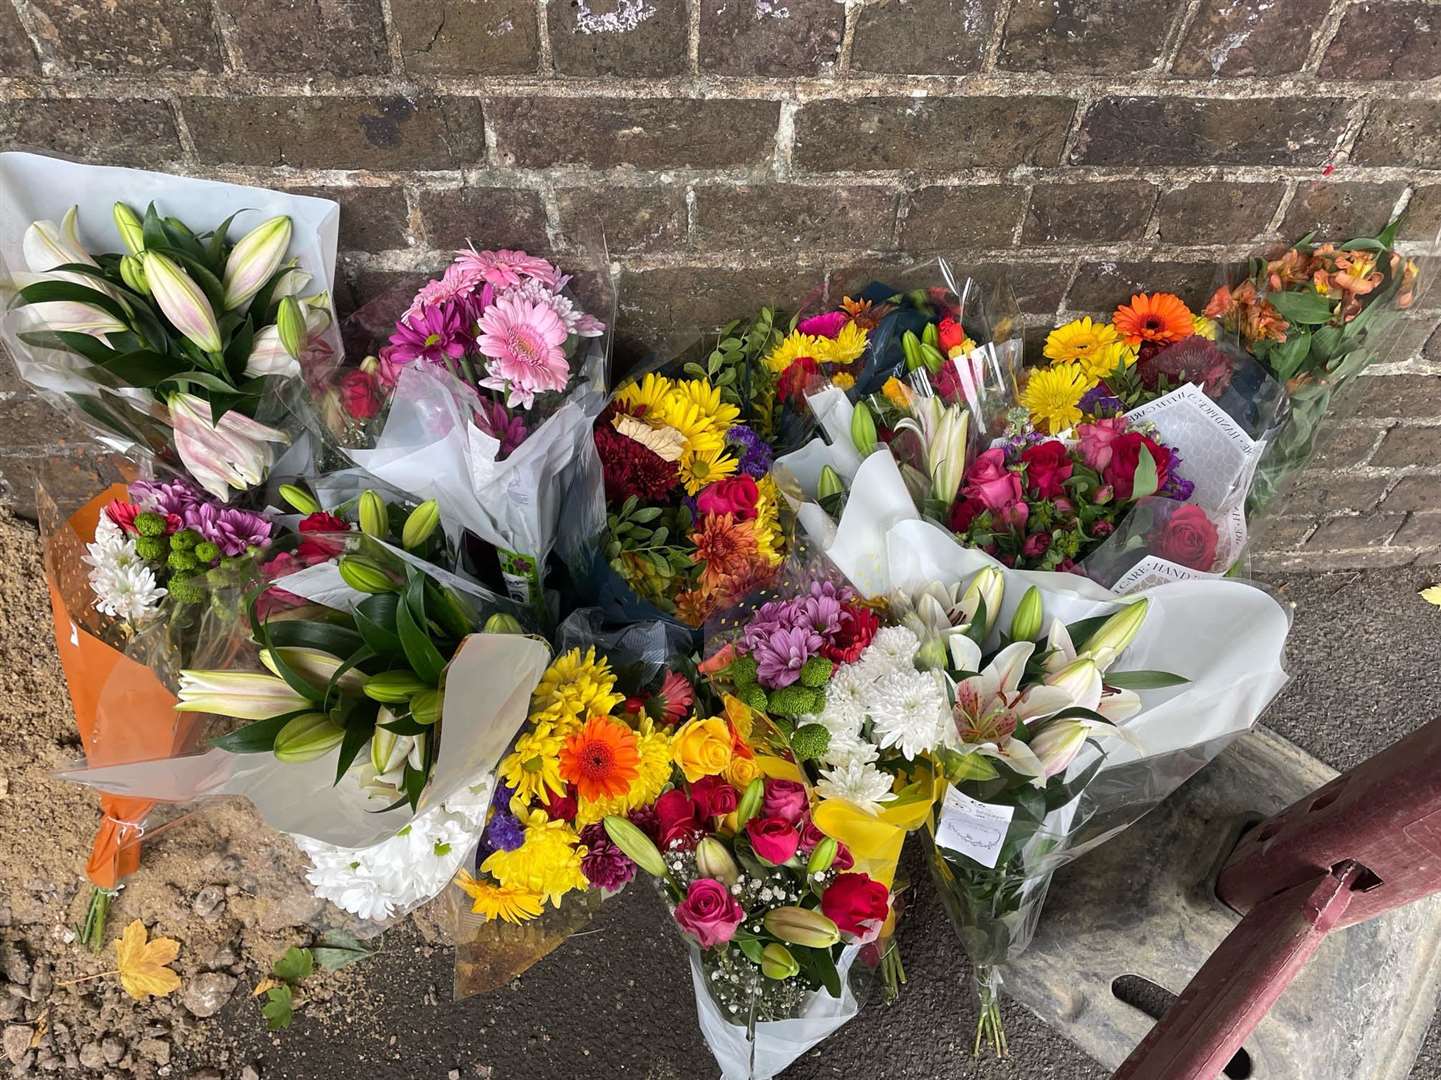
975,829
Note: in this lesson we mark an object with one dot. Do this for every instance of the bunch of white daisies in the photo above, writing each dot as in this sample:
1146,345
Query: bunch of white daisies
124,585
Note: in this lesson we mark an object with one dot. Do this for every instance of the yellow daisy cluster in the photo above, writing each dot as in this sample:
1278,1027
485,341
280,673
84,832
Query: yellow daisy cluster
844,348
575,686
1052,396
1094,347
766,526
695,410
546,865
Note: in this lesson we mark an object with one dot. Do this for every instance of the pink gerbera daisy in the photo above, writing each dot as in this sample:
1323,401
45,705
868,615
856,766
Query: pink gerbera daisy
674,698
505,268
457,283
523,340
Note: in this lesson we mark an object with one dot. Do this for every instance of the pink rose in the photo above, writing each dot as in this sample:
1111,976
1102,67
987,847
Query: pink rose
785,799
737,495
709,913
773,839
1096,440
991,482
1036,545
1014,516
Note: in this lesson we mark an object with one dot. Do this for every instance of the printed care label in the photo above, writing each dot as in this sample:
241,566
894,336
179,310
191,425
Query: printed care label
975,829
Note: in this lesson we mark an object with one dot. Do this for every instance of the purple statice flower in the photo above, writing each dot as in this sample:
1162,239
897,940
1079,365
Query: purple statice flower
604,865
1100,403
755,455
503,833
781,653
503,794
1015,445
500,423
166,496
231,529
1176,486
437,333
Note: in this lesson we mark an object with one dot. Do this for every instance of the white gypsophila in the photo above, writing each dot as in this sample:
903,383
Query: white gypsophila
858,782
124,585
908,710
395,875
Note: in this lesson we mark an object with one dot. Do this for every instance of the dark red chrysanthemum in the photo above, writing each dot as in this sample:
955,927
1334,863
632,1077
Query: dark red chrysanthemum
630,468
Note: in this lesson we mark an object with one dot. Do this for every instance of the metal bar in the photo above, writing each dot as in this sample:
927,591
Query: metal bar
1241,980
1385,814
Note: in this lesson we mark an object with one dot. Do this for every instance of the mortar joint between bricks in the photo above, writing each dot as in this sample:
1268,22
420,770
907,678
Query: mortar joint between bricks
1324,34
1178,36
393,45
225,34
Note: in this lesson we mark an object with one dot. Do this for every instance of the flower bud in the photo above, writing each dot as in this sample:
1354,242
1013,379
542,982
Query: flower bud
254,259
1080,679
777,962
425,707
374,520
362,575
73,316
863,429
290,324
750,802
1058,744
988,585
181,300
1115,634
307,737
299,499
822,856
388,750
802,926
370,365
133,274
1026,623
420,524
636,845
132,232
712,860
503,623
47,245
830,483
393,687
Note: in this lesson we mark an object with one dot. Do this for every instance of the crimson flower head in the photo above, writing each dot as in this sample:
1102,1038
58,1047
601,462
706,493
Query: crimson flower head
793,381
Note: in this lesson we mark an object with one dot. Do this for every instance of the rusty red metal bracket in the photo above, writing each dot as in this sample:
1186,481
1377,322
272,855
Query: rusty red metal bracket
1364,844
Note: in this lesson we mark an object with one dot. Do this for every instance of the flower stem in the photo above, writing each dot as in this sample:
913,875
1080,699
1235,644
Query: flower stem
92,934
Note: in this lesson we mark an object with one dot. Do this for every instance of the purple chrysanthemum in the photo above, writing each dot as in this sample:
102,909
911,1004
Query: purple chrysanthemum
604,865
437,333
504,833
493,418
166,497
1176,486
780,654
231,529
755,455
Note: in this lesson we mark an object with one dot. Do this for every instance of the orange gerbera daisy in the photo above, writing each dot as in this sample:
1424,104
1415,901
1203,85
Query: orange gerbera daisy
1158,317
601,759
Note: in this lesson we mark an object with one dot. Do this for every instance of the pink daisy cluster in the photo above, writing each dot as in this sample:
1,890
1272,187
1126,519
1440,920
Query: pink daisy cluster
500,319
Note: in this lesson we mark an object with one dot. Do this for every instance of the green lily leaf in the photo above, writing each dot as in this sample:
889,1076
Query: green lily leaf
420,652
1144,680
255,738
1302,306
375,619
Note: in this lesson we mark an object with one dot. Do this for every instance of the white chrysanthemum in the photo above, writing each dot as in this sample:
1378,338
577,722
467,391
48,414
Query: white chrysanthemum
908,710
845,709
893,649
846,747
860,783
396,875
124,585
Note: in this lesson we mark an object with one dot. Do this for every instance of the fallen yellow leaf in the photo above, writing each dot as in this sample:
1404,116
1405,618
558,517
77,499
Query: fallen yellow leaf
142,963
264,985
1432,595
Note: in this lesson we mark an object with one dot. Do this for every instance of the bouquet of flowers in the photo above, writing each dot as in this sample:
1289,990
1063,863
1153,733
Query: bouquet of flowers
482,398
174,337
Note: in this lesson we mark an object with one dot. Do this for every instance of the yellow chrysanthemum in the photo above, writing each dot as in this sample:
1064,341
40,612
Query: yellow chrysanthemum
533,767
707,399
792,349
1083,342
574,687
547,863
697,470
514,906
1052,397
700,431
897,393
1204,327
765,526
1118,355
965,348
642,397
844,347
844,379
653,773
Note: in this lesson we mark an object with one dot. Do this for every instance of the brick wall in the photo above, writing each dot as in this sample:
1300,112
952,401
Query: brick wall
737,150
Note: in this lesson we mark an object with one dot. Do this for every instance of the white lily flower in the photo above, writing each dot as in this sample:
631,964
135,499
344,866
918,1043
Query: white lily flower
244,695
71,316
236,453
1118,706
315,666
268,354
47,245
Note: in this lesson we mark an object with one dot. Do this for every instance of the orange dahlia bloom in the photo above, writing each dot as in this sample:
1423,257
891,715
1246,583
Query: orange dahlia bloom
726,548
600,759
1158,317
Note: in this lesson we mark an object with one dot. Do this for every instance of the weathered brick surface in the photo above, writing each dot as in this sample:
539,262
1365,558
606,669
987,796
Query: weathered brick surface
467,37
1230,39
619,37
725,153
133,37
924,37
931,134
770,37
1209,131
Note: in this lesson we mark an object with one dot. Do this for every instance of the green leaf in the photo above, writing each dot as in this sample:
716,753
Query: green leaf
818,967
1302,306
153,229
420,652
1082,630
1144,680
256,738
1286,358
237,353
414,785
752,949
1145,480
375,620
337,949
404,725
215,250
279,1008
296,681
339,641
359,727
204,378
295,965
144,368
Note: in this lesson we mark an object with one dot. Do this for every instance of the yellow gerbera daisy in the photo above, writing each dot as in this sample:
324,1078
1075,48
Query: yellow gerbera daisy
792,349
533,767
546,863
575,686
1052,396
844,347
697,427
698,469
1084,342
843,379
707,399
498,902
653,773
644,396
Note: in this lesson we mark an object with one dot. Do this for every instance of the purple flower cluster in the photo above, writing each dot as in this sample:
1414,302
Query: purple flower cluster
1015,445
784,634
1101,403
438,333
503,833
231,529
166,496
1176,486
604,865
754,453
498,422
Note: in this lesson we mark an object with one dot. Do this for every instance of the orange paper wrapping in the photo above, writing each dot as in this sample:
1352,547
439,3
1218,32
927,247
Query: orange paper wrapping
123,711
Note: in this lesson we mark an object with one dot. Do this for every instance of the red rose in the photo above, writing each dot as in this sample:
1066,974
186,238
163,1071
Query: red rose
1120,474
773,839
1036,545
810,837
946,382
794,380
709,913
1187,538
315,549
992,482
963,513
736,495
677,820
950,334
713,797
844,859
1048,467
857,904
359,394
785,799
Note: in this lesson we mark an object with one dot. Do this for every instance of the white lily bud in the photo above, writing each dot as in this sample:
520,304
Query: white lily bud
1058,744
181,300
254,260
244,695
947,455
1080,680
128,224
71,316
269,356
988,585
1115,634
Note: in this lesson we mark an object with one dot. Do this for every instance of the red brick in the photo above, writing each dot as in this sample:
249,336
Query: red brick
467,37
1106,210
1420,493
109,131
1406,445
1421,531
1332,494
1359,531
1400,132
1275,533
371,218
1067,35
72,477
1339,447
17,53
632,219
1102,285
923,37
1386,39
1209,131
619,37
308,36
770,37
794,217
949,220
1217,211
1037,287
674,303
931,134
1404,396
1422,217
136,37
1233,39
1341,211
646,133
488,217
